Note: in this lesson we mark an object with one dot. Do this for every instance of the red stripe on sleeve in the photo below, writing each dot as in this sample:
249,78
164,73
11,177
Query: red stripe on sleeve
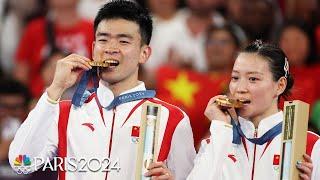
175,116
311,140
62,133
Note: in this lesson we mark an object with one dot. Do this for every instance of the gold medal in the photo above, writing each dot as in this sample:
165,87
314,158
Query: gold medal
99,64
229,103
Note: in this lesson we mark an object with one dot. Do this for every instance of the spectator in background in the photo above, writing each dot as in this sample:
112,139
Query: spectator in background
167,22
13,109
188,48
89,8
69,33
295,42
14,19
308,12
259,18
221,47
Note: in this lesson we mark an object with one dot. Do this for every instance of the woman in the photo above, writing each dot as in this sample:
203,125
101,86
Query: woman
260,77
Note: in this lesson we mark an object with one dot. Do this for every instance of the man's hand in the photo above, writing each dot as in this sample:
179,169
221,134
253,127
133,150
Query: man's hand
158,170
67,72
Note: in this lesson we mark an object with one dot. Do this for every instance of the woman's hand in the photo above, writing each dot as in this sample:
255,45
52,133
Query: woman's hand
215,112
305,167
158,170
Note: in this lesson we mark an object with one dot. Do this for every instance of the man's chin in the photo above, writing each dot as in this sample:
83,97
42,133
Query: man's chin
107,78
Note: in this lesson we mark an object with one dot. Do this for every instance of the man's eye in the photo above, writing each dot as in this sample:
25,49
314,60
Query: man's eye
252,79
124,42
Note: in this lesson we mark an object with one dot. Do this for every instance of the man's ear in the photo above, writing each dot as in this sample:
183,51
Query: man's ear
92,49
145,54
92,46
281,85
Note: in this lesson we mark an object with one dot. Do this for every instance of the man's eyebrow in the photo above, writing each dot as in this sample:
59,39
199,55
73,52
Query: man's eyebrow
123,35
103,34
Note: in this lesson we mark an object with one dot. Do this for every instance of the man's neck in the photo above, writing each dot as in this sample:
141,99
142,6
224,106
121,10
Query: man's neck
122,86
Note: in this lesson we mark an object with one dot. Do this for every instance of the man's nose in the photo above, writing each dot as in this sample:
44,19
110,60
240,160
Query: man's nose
112,51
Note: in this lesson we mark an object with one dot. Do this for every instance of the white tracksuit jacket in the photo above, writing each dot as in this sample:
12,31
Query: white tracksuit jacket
93,132
219,159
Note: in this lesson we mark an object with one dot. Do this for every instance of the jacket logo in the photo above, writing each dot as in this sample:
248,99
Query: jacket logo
89,125
135,132
276,162
276,159
232,157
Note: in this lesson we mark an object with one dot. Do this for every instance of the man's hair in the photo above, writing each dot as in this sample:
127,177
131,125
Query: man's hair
128,10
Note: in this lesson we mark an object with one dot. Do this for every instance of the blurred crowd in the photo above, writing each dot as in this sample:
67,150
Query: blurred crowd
194,45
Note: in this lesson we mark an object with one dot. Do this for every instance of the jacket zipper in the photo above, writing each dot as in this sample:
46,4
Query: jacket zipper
111,136
254,155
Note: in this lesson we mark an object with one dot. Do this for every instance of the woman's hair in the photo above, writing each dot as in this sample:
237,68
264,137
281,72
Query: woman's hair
277,60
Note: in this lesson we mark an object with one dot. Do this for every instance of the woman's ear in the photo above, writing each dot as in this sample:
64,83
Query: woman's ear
282,84
145,54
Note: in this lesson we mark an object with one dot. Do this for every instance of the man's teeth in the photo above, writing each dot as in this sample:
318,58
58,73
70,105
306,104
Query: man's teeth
112,62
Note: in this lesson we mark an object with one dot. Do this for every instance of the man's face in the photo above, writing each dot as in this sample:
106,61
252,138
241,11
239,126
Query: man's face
119,40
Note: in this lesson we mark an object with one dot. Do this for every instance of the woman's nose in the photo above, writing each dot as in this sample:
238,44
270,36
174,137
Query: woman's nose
242,87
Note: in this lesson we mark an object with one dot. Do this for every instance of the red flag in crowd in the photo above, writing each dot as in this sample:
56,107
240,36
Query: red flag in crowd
190,91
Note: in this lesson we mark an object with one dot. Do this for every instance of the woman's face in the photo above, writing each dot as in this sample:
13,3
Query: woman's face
252,80
295,44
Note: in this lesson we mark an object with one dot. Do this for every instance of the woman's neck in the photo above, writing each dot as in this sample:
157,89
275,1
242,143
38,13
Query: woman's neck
258,118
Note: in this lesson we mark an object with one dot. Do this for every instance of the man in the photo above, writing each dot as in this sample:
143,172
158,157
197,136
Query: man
98,129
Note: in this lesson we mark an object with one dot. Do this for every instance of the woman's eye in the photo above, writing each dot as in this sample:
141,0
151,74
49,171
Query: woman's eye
102,40
234,78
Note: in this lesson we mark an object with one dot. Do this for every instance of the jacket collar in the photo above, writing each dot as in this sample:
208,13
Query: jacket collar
106,96
265,124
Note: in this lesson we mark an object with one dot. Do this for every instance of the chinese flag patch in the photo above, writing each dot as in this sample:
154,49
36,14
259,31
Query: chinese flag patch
276,159
135,131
